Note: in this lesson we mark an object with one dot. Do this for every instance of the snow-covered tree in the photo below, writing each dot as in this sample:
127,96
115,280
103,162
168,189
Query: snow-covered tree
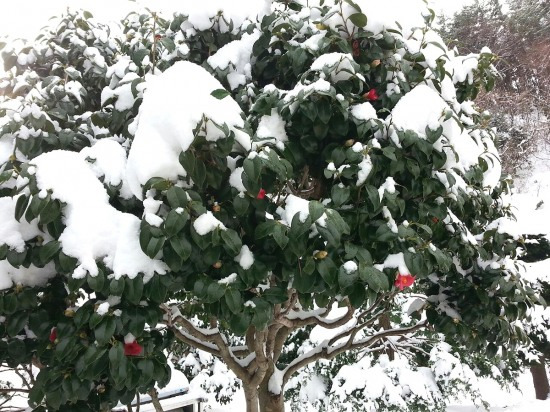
238,174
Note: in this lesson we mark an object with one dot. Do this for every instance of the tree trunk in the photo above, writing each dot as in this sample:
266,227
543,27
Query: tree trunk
261,400
155,400
251,396
386,324
270,402
540,379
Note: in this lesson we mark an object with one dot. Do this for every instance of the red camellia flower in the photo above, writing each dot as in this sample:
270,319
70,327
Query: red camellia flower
53,335
261,194
404,281
371,95
132,349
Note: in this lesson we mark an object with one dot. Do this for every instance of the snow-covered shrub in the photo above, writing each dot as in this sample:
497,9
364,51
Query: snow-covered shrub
239,175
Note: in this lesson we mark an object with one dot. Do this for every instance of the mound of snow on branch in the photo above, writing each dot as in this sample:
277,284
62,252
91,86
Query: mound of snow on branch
94,229
174,104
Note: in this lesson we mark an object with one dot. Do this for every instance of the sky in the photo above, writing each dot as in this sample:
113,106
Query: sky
25,22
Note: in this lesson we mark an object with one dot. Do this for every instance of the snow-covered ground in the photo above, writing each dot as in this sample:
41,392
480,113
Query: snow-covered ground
501,399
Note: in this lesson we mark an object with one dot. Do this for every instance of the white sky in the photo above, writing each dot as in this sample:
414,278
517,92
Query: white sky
24,18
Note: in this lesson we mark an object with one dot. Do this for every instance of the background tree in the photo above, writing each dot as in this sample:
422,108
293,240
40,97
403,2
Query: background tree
230,178
519,103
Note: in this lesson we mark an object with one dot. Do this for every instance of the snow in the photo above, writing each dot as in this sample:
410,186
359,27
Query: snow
363,111
275,383
271,127
235,55
228,280
365,167
320,85
207,223
103,309
383,15
94,229
14,233
129,338
350,266
245,258
387,186
339,65
31,276
296,205
396,261
420,108
124,98
200,18
167,118
107,160
236,181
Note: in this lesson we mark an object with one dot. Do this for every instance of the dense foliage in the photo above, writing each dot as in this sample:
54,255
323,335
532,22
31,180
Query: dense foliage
354,158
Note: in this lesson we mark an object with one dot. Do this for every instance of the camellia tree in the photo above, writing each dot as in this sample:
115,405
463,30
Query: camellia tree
236,175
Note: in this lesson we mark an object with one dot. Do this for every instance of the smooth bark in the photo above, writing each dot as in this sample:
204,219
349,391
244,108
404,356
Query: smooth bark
540,379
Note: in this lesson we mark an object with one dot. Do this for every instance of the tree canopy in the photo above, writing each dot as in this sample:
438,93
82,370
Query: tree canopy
230,177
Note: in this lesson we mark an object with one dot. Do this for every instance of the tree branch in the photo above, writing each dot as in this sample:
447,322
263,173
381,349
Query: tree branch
325,351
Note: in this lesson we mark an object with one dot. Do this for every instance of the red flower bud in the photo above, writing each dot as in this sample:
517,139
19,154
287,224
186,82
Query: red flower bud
356,52
371,95
53,335
132,349
261,194
355,44
158,37
435,219
404,281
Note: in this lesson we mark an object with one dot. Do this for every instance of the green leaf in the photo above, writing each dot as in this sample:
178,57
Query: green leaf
328,271
345,279
175,222
233,300
16,350
15,258
316,210
232,241
168,43
134,289
137,56
357,296
96,282
265,229
146,367
219,93
48,250
21,206
340,195
279,235
359,19
16,322
116,287
181,246
240,204
176,197
105,330
157,183
376,279
154,246
51,212
389,152
252,169
214,292
240,323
